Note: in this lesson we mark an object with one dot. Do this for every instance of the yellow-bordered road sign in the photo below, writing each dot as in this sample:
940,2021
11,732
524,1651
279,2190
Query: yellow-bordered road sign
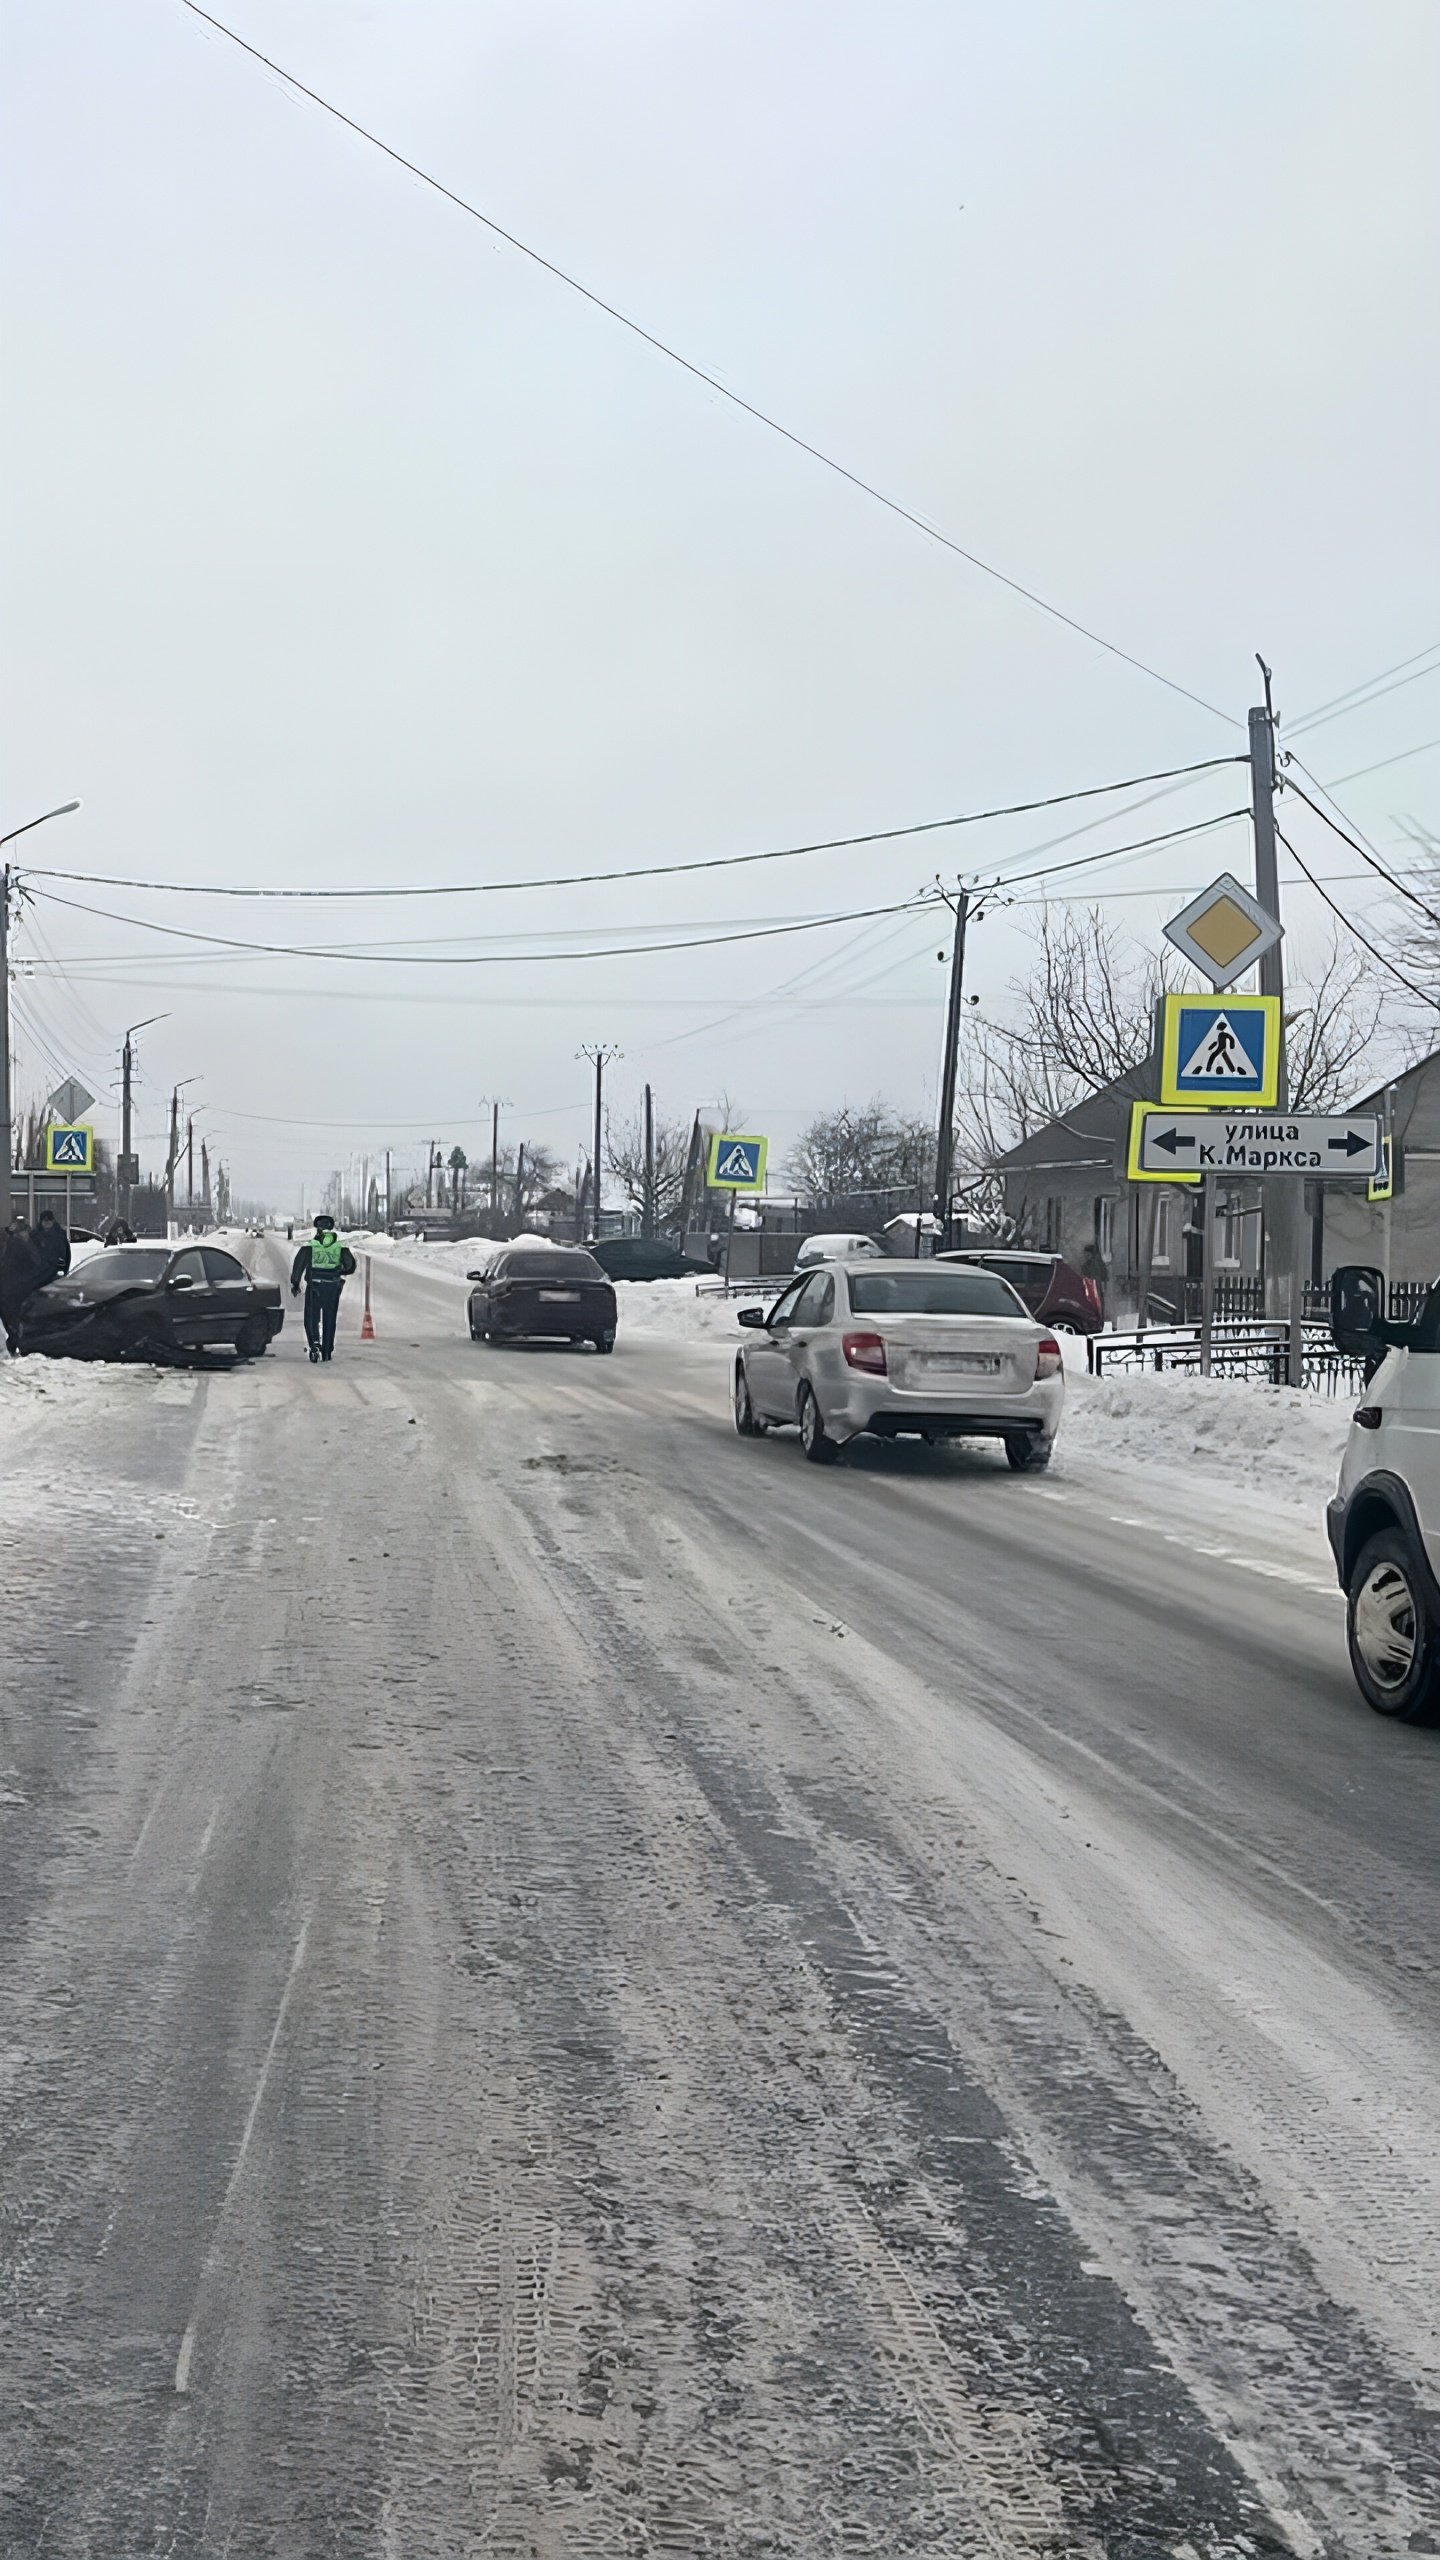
1139,1113
737,1164
1381,1185
1219,1050
69,1148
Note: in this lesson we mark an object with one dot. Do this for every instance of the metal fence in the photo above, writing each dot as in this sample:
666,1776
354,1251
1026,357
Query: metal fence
1257,1351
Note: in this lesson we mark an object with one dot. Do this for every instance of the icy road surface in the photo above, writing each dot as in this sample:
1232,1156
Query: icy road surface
572,1987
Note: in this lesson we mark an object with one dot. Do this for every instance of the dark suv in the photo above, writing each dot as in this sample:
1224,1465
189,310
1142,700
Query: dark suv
556,1293
645,1258
1053,1290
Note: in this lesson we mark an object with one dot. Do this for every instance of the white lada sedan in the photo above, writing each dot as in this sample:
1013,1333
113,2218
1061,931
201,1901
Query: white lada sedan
940,1350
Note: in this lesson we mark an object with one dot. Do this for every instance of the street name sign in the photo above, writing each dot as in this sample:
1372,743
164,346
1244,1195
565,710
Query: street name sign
1259,1142
736,1164
1221,1049
69,1150
1224,931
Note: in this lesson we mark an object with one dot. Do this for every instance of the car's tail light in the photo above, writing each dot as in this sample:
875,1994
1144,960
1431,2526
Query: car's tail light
1049,1358
865,1351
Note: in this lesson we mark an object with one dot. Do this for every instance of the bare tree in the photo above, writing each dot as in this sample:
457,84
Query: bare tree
625,1157
1329,1034
873,1156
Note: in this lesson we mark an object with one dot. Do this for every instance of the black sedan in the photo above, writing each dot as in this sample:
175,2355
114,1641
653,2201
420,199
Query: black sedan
646,1258
153,1302
556,1294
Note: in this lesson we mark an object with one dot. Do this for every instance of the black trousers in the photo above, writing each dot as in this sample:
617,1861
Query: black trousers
322,1306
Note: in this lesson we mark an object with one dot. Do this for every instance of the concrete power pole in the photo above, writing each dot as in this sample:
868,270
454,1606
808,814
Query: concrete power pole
600,1057
647,1219
1284,1200
945,1133
172,1157
7,1129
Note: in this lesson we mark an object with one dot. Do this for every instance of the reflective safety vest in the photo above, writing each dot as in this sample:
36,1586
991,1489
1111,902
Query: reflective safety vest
325,1254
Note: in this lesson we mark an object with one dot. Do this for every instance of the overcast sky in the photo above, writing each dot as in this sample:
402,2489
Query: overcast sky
344,547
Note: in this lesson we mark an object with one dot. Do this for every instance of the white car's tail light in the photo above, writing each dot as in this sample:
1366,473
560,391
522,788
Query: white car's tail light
1049,1358
865,1351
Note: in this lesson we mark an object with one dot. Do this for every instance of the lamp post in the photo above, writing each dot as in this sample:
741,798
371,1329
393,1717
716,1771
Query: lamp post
7,1128
127,1078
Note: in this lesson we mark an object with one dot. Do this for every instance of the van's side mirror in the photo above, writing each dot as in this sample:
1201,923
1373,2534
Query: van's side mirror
1357,1310
754,1317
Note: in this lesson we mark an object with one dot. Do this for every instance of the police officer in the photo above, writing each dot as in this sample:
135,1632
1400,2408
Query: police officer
324,1264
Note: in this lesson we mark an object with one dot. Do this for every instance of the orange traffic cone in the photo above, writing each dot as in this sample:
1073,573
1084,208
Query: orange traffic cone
367,1321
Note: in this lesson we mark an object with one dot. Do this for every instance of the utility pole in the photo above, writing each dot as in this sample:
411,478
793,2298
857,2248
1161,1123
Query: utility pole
945,1134
172,1157
494,1162
7,1131
1284,1278
7,1097
600,1056
389,1203
520,1184
190,1163
647,1197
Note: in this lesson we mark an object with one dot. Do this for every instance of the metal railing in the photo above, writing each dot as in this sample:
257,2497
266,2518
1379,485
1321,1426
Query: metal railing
1257,1351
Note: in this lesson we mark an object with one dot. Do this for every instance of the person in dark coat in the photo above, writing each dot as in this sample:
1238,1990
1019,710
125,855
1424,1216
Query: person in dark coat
18,1269
119,1231
51,1247
324,1264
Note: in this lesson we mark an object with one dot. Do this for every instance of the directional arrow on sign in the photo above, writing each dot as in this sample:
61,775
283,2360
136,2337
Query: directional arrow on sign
1171,1140
1352,1144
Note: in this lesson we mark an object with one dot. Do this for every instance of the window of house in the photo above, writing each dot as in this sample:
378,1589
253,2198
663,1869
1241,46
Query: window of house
1165,1227
1054,1224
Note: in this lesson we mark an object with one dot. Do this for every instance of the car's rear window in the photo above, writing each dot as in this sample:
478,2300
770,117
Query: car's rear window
557,1265
922,1292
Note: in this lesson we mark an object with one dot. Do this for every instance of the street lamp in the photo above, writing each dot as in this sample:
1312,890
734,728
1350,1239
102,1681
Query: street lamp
127,1072
7,1129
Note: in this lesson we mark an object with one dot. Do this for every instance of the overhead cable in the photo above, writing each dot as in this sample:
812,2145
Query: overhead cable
1401,887
647,870
481,959
711,381
1143,844
1354,930
1362,696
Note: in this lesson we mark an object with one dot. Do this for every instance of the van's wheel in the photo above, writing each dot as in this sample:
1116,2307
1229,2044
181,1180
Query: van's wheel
1027,1455
815,1440
1391,1629
747,1420
604,1341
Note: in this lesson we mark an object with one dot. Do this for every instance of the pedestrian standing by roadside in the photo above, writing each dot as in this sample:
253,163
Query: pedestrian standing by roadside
51,1246
324,1264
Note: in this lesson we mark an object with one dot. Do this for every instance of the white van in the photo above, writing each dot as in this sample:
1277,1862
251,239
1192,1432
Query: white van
1384,1520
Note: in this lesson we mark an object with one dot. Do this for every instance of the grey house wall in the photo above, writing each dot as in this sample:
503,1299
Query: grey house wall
1405,1239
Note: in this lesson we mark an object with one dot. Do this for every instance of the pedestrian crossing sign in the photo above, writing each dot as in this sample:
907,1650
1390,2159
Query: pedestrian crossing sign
69,1148
736,1164
1220,1050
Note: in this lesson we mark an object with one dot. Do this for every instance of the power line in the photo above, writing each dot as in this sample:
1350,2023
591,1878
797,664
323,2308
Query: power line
1353,929
1143,844
1361,696
1357,846
476,959
711,381
642,871
1361,770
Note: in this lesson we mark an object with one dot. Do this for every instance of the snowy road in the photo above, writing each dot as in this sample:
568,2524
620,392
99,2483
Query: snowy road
571,1987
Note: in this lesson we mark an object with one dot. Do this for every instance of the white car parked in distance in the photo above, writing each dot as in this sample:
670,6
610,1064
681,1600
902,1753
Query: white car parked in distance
938,1350
837,1249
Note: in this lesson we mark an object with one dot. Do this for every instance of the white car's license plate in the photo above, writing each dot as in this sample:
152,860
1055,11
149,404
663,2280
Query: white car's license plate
956,1364
560,1297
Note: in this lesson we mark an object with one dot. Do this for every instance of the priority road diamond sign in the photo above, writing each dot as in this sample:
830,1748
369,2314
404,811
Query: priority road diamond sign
1224,931
1223,1049
1318,1144
736,1164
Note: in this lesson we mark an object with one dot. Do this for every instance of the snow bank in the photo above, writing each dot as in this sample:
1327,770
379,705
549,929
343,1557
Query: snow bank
444,1260
35,1393
1282,1443
671,1308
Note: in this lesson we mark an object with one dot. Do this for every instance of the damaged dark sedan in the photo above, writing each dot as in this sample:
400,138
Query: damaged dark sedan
153,1302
